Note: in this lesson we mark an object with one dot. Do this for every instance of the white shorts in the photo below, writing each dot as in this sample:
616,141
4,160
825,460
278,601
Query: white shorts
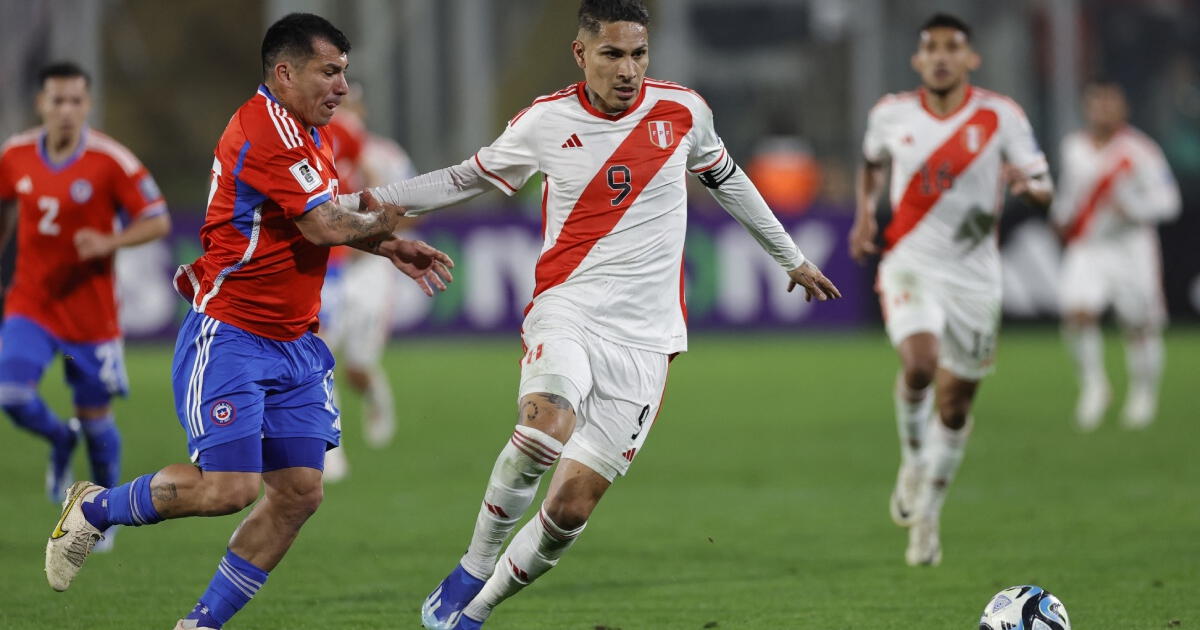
615,390
360,313
965,322
1125,274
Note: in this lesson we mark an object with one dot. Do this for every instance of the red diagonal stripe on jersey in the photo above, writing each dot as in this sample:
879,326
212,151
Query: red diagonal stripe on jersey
955,155
594,216
1087,211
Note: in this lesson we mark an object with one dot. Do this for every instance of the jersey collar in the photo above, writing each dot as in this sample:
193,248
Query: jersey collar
967,96
581,91
56,167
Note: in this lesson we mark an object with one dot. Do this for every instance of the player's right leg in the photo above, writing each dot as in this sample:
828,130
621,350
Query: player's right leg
555,374
1084,294
25,350
914,320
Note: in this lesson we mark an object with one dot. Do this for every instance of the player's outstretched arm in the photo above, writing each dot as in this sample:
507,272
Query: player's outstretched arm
815,284
424,193
92,244
869,185
333,223
426,265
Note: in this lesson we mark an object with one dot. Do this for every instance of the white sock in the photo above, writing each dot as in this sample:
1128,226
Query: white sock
510,491
1144,356
913,410
378,397
534,550
1087,347
944,448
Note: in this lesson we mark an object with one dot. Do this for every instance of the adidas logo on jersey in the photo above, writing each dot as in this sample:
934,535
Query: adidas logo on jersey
573,143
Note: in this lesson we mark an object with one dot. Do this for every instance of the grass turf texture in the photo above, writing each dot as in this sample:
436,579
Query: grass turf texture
760,501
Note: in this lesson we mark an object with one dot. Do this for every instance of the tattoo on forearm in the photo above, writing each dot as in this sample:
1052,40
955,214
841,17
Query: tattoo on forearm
358,225
164,492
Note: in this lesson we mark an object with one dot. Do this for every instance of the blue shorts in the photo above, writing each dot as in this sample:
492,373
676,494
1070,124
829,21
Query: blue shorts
95,371
231,384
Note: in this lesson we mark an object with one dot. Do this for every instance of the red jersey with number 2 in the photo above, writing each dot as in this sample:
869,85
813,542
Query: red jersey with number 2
73,299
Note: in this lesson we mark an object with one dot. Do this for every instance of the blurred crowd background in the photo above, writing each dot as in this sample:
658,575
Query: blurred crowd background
790,82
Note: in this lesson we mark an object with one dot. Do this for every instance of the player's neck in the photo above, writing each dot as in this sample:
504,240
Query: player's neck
61,145
597,102
1101,135
945,102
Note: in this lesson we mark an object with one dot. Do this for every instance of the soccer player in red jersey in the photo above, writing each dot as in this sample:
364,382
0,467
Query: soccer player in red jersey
952,147
63,185
253,383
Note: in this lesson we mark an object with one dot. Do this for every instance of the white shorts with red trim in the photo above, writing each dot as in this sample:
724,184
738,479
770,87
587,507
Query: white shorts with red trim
1125,273
966,322
615,390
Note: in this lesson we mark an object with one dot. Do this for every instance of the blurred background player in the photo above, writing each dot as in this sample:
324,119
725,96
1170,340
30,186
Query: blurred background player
1115,188
359,295
64,185
950,147
607,313
253,384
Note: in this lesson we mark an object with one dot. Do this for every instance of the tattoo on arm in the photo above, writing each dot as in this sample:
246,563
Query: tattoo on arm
164,492
356,226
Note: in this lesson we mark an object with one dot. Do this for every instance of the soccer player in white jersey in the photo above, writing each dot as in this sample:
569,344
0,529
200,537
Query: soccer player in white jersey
1116,186
608,311
952,147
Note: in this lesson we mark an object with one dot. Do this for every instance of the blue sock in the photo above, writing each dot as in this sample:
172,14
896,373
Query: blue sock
126,504
231,588
33,415
104,450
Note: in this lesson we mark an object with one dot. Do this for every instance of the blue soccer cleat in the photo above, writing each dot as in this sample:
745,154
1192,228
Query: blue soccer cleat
467,623
443,608
58,472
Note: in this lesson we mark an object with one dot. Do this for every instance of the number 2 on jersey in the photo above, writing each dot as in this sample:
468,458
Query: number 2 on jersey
49,208
620,180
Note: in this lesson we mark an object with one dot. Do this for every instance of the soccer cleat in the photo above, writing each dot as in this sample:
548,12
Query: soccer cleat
58,471
190,624
107,541
1089,410
1141,404
903,505
442,610
924,545
467,623
72,538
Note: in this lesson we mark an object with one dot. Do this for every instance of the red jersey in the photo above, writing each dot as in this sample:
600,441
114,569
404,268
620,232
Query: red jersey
258,272
74,300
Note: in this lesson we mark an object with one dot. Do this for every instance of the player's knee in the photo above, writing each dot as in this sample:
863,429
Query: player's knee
919,372
301,499
569,512
228,494
954,412
14,397
549,413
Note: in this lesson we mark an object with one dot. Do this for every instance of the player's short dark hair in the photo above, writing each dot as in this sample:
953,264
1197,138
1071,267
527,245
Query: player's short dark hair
593,12
292,36
62,70
945,20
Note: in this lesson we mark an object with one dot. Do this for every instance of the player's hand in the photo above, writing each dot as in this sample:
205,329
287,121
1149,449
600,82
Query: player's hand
815,284
91,244
427,266
862,237
1017,180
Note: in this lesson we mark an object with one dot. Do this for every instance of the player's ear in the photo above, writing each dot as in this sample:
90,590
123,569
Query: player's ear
282,73
912,61
974,61
577,53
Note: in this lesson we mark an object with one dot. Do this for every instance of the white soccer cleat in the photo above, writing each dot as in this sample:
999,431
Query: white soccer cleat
107,541
1092,404
1141,405
190,624
903,505
379,428
337,466
72,538
924,544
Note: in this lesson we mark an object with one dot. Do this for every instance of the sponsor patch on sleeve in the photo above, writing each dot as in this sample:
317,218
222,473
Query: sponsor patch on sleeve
305,175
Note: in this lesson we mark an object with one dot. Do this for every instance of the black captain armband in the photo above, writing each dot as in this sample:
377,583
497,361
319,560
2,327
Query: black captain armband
714,177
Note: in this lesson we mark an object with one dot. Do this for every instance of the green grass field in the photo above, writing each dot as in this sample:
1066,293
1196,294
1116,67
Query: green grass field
760,501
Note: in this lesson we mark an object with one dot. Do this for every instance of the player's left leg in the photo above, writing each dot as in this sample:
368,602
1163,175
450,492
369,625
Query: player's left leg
1141,309
25,350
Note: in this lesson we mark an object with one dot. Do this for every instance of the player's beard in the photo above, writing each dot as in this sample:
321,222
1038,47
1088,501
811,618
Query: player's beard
942,92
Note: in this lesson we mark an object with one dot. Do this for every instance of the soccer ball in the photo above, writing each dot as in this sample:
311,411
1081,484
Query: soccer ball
1024,608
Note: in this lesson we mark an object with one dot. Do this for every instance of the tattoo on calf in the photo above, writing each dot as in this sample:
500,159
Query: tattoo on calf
164,492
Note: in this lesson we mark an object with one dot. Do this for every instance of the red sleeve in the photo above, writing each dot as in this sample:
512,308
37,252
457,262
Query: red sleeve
7,186
292,178
138,193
